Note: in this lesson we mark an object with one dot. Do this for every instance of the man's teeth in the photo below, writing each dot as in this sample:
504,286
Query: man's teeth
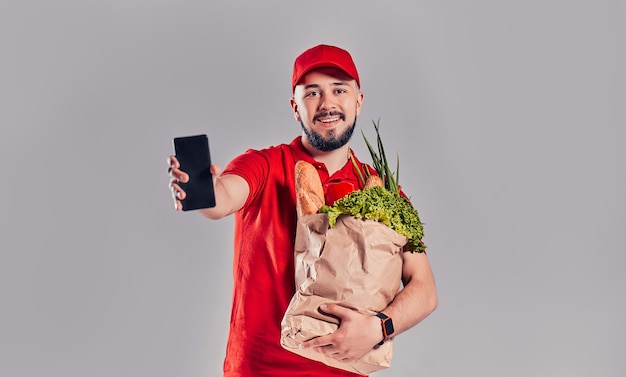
330,120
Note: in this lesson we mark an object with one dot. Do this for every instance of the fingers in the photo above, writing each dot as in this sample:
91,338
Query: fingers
322,344
172,162
335,310
320,341
327,346
177,192
178,205
357,334
177,176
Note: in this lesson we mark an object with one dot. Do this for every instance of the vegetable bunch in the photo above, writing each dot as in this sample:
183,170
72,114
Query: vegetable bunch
381,203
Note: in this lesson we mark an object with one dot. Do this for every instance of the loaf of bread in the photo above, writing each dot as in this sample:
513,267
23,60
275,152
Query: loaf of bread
309,190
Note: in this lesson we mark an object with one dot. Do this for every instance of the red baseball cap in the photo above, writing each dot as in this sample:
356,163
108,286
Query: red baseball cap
323,56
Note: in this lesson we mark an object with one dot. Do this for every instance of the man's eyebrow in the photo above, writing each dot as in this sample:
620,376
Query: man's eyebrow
336,83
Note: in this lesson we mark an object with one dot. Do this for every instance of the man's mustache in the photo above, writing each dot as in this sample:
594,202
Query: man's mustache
329,113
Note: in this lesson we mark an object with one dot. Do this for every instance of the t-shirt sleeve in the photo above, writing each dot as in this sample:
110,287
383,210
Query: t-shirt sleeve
253,167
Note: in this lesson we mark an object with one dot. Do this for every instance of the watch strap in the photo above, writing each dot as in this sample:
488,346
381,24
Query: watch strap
387,326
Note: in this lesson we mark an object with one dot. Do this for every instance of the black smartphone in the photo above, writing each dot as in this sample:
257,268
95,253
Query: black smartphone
194,157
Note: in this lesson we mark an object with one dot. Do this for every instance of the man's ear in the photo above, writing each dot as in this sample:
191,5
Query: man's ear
359,102
294,107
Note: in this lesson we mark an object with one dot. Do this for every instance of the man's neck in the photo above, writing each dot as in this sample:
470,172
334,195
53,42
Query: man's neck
334,160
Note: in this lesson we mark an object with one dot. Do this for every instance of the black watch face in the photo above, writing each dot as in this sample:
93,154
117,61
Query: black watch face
388,326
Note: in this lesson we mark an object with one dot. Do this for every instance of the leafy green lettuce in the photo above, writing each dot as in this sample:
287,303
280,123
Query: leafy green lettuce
382,205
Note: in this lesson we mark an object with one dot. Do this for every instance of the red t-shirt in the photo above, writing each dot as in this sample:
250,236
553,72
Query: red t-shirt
263,263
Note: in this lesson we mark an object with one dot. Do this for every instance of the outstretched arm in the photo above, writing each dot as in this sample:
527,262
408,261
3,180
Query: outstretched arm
231,191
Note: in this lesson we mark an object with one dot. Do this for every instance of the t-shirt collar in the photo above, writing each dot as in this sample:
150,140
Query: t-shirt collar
300,153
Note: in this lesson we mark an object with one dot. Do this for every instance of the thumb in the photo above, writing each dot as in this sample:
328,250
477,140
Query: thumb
215,169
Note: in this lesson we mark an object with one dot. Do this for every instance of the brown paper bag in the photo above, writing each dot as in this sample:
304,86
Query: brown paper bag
357,264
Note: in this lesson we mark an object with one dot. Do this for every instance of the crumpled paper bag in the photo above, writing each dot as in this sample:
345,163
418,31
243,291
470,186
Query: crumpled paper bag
357,264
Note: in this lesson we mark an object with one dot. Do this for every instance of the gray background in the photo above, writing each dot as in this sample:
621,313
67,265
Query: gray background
508,117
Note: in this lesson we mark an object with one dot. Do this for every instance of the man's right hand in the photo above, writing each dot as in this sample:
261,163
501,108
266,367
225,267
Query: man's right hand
178,176
231,191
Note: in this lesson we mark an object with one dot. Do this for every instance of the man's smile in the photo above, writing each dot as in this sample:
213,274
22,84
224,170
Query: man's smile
329,117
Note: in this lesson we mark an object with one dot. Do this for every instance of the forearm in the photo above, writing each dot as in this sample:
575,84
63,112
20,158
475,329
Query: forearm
417,299
231,193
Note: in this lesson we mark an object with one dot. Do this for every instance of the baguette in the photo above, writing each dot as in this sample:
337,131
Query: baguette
309,190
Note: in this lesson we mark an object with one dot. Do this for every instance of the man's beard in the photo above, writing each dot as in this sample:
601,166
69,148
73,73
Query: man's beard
333,142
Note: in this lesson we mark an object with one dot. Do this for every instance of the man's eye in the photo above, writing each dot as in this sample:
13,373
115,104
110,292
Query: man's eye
339,91
312,94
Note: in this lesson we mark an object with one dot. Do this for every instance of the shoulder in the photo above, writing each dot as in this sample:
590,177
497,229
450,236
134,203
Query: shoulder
256,166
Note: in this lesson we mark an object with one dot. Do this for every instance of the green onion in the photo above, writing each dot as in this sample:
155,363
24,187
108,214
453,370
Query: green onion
379,160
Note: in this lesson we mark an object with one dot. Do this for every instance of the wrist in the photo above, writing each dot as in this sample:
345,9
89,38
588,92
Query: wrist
386,325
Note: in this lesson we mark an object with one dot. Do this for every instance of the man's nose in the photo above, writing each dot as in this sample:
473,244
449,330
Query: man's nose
327,102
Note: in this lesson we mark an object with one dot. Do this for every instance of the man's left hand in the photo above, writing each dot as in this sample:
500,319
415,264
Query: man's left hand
357,334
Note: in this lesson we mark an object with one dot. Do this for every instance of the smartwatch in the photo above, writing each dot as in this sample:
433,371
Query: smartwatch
387,326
